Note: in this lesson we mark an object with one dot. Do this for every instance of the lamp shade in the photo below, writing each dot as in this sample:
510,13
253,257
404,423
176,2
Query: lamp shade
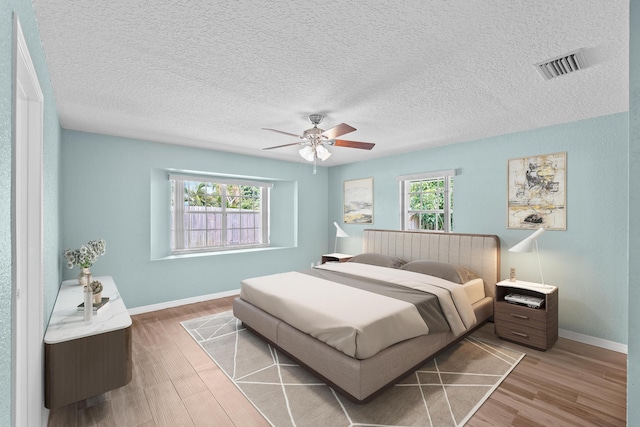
527,244
307,153
339,231
322,152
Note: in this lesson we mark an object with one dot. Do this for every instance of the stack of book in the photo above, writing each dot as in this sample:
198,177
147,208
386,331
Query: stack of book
97,308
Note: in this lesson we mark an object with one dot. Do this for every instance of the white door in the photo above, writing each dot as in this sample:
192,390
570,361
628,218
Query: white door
28,274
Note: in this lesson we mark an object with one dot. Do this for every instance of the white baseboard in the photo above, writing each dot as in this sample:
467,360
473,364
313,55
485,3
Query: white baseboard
598,342
179,302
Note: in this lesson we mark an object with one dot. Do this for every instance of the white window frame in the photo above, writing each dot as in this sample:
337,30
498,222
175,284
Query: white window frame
405,184
180,246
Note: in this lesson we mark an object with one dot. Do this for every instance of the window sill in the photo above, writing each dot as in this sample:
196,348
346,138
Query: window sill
218,253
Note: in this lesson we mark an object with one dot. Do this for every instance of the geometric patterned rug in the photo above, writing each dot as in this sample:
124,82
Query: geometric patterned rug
445,391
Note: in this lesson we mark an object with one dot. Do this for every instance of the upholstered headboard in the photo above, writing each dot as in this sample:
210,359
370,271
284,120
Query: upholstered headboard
477,252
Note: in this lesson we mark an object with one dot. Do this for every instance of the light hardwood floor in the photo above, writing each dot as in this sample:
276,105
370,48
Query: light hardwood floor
176,384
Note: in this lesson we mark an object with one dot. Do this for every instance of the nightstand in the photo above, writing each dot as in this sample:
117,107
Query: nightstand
533,327
336,257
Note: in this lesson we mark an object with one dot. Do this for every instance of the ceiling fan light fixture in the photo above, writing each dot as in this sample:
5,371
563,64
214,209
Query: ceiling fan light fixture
314,141
322,152
307,153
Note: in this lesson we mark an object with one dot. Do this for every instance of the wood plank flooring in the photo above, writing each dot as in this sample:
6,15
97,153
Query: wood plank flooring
176,384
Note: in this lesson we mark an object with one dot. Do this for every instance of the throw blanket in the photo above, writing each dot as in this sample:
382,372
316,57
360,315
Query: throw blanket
452,296
357,322
427,304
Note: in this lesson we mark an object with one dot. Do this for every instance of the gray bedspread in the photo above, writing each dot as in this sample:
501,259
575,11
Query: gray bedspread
427,303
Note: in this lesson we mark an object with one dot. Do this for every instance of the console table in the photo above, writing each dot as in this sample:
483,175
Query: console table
85,359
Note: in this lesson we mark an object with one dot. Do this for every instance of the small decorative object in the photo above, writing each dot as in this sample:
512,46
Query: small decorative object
358,201
512,274
88,304
96,289
97,308
84,258
536,192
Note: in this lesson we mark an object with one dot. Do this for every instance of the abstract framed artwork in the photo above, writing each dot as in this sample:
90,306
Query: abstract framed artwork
536,192
358,201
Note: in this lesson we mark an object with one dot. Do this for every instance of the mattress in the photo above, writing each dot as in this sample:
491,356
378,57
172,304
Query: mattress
354,321
474,290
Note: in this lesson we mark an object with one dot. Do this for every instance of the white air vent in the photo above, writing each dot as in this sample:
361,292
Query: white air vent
565,64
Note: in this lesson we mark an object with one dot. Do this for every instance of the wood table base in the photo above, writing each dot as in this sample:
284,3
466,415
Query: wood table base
86,367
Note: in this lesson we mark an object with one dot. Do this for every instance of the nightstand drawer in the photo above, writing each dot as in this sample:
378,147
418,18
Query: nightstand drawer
516,332
525,316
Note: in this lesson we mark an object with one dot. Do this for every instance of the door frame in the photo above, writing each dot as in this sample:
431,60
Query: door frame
28,239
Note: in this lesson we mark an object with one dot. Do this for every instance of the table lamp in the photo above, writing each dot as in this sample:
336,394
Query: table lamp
527,245
339,233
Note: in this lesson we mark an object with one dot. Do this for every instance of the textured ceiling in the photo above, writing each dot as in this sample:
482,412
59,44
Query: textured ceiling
407,74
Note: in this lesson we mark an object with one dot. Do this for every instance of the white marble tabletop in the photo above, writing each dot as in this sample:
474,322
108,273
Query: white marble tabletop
67,323
538,287
338,255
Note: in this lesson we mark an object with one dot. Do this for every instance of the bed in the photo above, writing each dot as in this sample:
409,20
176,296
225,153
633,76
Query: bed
358,367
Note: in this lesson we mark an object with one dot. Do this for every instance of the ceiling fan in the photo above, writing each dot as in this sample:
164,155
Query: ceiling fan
316,140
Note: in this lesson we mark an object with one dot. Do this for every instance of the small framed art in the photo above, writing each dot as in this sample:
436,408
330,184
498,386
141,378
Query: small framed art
358,201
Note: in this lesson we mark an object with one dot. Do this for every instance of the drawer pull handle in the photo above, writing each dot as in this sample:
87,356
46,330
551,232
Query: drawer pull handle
519,316
520,334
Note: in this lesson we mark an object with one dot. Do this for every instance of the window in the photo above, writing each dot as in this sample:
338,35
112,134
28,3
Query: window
212,214
427,201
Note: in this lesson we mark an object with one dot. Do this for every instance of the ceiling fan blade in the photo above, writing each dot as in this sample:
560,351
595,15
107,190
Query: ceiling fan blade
285,145
285,133
353,144
339,130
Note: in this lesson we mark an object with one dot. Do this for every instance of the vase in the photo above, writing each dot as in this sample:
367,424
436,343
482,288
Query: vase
97,298
88,303
85,277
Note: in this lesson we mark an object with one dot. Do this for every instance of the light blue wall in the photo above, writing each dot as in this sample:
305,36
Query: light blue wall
587,261
24,11
633,374
110,190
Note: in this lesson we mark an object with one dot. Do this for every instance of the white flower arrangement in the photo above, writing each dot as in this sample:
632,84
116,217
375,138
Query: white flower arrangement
86,255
